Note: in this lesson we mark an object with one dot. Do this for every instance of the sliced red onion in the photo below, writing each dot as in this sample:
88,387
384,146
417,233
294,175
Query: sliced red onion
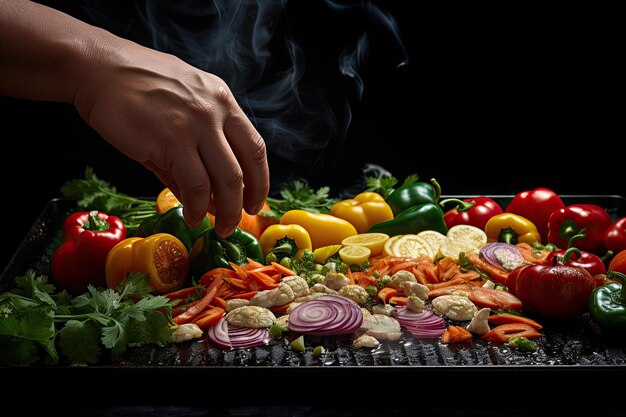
226,336
502,255
424,324
325,316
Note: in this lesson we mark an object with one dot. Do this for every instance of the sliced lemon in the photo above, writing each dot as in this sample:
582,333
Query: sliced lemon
434,238
322,254
354,254
389,243
375,242
473,235
452,249
412,246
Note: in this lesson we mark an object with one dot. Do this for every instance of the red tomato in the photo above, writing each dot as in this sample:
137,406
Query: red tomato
618,263
559,291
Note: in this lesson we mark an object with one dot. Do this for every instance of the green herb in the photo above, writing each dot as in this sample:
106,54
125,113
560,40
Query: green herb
467,265
522,343
384,183
35,319
297,195
92,193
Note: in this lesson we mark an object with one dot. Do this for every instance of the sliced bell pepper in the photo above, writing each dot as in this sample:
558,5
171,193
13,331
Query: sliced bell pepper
87,239
324,229
511,228
571,220
212,251
172,222
284,240
413,194
427,216
363,211
162,256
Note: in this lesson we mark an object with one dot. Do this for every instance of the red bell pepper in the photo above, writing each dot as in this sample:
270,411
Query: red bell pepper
615,236
575,257
473,211
536,205
87,238
576,218
559,291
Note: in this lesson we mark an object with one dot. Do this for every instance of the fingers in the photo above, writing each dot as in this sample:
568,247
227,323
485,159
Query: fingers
249,148
192,186
227,182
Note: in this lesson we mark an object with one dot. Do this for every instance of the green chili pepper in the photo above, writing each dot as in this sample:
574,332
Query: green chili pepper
212,251
415,219
414,194
522,343
172,222
607,304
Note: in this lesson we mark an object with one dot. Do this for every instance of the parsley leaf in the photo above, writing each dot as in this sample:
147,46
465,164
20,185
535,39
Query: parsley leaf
79,340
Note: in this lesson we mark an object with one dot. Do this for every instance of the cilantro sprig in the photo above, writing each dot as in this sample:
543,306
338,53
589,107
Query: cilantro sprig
34,319
298,195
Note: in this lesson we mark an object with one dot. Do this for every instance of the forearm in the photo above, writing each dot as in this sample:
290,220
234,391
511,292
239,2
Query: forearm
45,54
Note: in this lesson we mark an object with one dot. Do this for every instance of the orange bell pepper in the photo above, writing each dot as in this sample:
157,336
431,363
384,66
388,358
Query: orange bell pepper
363,211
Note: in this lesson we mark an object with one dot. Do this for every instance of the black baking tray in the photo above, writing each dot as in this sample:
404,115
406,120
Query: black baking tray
568,353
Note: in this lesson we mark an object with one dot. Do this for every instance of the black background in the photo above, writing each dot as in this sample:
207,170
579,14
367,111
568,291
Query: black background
492,101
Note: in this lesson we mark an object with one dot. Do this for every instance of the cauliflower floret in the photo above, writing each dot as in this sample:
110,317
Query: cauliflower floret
311,296
282,322
276,297
332,267
384,309
365,311
455,307
355,292
251,316
322,288
293,305
489,284
480,322
336,280
317,278
365,341
400,277
380,327
236,303
298,285
185,332
414,288
414,303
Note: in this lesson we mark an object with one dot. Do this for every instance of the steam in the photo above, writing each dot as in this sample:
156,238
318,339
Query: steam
251,45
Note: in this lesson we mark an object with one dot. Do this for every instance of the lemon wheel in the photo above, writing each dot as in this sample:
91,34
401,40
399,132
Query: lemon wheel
375,242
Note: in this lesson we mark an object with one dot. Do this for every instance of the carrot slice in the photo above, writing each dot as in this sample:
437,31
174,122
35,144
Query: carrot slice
504,332
505,318
219,272
496,274
263,279
241,273
218,302
536,256
280,309
245,295
494,299
455,334
189,314
210,318
283,270
182,294
398,300
386,293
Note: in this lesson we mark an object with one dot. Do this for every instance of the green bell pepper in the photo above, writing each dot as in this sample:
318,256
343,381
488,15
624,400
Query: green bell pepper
410,195
211,251
607,304
427,216
172,222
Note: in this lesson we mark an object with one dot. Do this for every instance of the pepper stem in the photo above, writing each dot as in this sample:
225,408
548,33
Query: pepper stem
437,188
580,235
95,223
231,250
285,247
568,254
621,277
461,205
508,235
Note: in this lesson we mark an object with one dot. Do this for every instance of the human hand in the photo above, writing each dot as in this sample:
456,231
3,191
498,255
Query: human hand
182,123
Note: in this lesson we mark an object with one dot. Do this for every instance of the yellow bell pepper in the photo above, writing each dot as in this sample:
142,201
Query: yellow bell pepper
162,256
363,211
511,228
324,229
285,240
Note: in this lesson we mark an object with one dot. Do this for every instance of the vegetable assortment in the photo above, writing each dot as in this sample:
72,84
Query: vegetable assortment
384,262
